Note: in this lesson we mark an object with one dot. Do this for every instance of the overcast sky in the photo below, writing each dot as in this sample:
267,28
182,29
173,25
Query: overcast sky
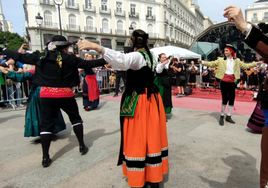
13,10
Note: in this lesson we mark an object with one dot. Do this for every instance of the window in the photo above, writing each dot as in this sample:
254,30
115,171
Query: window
150,28
71,3
255,16
134,25
105,26
165,14
89,23
132,9
72,21
104,5
120,27
48,18
149,11
119,7
88,4
266,15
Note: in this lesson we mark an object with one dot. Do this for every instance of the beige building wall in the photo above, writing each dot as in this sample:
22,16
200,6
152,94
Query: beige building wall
258,12
172,22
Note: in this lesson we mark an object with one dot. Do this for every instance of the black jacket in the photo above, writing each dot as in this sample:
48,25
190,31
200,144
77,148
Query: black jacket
48,72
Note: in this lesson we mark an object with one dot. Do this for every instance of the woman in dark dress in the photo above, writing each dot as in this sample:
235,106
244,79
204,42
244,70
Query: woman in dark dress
181,77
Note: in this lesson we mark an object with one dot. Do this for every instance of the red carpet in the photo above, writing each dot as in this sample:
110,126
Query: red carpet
208,100
212,93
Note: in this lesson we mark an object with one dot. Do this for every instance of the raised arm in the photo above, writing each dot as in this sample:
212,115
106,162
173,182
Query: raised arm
23,58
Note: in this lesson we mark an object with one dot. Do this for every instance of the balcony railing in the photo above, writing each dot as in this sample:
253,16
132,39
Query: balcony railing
50,25
106,30
89,8
167,37
90,29
134,14
171,24
117,13
265,19
150,17
73,27
254,20
166,21
108,11
72,6
47,2
120,32
153,35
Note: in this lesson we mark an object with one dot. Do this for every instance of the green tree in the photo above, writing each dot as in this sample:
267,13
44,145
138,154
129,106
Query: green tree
11,41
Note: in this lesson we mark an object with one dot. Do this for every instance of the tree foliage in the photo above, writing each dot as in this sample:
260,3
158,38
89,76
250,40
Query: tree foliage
10,40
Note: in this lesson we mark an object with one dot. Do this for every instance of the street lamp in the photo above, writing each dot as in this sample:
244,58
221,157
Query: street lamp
39,21
59,3
131,29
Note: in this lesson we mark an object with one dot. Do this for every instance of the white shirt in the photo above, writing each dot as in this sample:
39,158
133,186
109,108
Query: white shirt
132,60
230,66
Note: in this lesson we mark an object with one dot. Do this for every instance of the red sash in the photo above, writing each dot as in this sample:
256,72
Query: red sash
92,86
228,78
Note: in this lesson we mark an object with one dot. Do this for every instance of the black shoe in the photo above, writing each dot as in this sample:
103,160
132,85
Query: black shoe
46,162
229,119
83,150
86,108
221,120
153,185
115,95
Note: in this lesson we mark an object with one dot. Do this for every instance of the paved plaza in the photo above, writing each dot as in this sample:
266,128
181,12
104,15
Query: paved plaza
201,153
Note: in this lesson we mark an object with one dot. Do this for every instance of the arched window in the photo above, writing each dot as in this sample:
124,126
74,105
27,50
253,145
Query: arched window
120,27
47,19
72,21
134,25
150,29
89,24
105,26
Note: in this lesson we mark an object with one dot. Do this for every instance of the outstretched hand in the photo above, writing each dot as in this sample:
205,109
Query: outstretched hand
234,14
85,45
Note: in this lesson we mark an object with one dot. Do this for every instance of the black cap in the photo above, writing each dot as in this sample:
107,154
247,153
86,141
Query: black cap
230,46
59,38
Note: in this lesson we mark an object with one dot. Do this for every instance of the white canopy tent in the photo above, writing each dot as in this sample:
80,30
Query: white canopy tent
177,52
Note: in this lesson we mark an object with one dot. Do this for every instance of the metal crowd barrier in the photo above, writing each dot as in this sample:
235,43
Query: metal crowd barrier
13,93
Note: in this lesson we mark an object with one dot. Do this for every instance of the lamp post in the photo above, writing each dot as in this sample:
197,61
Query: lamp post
39,21
131,29
59,3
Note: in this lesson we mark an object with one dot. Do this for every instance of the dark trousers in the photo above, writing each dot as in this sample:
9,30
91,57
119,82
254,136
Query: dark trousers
50,108
119,75
227,93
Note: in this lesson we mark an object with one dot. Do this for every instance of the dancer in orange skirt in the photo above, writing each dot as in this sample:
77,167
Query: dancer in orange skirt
144,145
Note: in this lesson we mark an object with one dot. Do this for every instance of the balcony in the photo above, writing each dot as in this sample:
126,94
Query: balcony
265,19
90,29
120,32
47,2
134,15
254,20
106,30
166,21
166,37
153,35
171,24
177,27
117,13
73,27
150,17
89,8
50,25
72,6
107,11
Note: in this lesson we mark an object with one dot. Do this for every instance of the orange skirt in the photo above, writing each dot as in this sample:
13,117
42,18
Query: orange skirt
145,144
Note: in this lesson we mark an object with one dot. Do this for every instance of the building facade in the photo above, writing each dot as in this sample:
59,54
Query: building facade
108,22
258,12
3,22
